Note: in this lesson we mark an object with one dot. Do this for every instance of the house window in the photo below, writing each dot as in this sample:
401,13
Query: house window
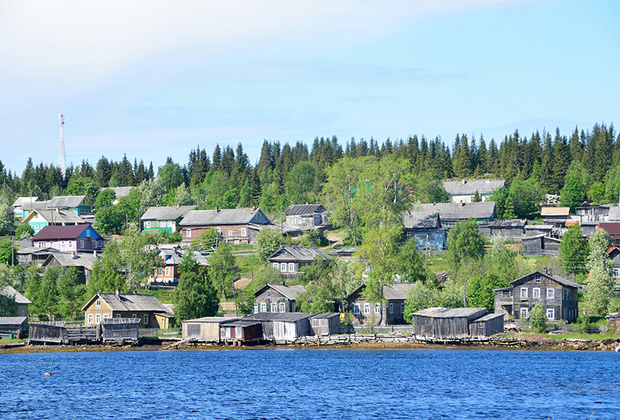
118,315
550,314
167,271
276,265
36,228
524,313
255,308
90,318
377,308
188,233
524,292
402,307
244,232
98,303
550,293
218,230
283,267
536,292
274,307
282,307
616,272
391,308
146,319
537,278
70,244
81,243
366,308
291,267
98,318
162,223
160,271
87,233
356,309
230,233
170,223
263,307
147,224
268,293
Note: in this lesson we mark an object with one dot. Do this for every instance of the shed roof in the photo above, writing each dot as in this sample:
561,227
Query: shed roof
10,292
488,317
457,211
166,213
483,186
437,312
35,205
538,227
555,211
422,220
66,201
300,253
219,217
299,209
129,302
288,291
12,320
510,223
62,232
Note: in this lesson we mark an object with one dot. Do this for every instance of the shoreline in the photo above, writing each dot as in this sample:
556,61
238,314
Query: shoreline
516,341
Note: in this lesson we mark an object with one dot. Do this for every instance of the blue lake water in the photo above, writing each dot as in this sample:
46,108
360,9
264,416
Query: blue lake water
306,384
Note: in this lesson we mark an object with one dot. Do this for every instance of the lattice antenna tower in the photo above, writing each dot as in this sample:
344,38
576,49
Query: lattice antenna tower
61,146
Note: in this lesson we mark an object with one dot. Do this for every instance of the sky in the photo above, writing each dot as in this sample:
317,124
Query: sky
155,79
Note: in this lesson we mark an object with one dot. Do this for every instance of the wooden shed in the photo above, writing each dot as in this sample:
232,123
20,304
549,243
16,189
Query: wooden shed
486,326
445,324
13,326
614,322
287,326
540,245
120,329
204,329
55,332
241,331
325,324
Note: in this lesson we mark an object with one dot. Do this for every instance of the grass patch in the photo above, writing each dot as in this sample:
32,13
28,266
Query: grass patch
597,336
162,295
438,263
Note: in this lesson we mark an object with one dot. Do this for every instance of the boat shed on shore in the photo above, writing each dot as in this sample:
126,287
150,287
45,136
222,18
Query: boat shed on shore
241,331
455,324
13,326
205,329
283,326
325,324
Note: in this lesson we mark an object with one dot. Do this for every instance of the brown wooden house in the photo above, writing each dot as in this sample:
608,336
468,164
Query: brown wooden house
455,324
277,298
146,308
366,312
237,226
20,300
289,259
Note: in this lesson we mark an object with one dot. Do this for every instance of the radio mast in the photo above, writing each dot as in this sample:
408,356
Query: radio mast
61,147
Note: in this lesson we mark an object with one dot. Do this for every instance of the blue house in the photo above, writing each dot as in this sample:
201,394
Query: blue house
425,229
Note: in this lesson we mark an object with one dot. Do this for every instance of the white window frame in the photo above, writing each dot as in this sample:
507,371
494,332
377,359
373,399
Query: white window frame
147,224
162,223
524,292
244,232
356,308
550,293
536,293
537,278
283,267
146,319
255,308
160,271
550,314
90,318
81,243
377,308
263,307
616,273
230,233
188,233
276,266
98,303
391,306
282,306
524,313
167,271
87,233
366,308
291,267
97,318
273,307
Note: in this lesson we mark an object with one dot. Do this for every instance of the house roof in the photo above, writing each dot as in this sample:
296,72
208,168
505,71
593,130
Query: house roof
555,211
483,186
121,192
166,213
173,255
299,209
66,201
538,227
288,291
554,277
612,228
12,320
10,292
421,220
511,223
456,211
81,259
35,205
219,217
62,232
277,316
57,216
437,312
396,291
129,302
300,253
21,201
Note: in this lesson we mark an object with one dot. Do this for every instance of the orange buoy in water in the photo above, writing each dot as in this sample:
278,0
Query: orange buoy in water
47,374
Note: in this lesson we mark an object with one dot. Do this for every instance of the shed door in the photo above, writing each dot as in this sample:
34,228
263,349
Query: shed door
193,330
238,333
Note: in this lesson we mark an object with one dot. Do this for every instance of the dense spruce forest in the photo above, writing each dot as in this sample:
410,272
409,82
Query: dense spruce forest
583,165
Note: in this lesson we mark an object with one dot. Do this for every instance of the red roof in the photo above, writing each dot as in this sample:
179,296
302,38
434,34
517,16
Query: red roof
50,233
612,228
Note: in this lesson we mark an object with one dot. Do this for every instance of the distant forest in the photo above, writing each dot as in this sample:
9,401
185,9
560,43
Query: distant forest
585,164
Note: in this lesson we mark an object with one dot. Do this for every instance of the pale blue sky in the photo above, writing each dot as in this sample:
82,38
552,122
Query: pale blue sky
154,79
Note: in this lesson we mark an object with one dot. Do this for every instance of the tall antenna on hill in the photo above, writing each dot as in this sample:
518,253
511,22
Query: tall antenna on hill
61,147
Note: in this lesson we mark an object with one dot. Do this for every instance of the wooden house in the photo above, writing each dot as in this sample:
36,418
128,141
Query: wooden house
556,216
287,326
289,259
70,239
509,229
325,324
366,312
204,329
277,298
78,204
146,308
425,229
83,261
344,253
163,219
452,213
463,191
533,230
13,326
534,246
172,255
241,331
41,218
557,294
306,215
237,226
614,256
613,229
20,203
589,213
20,300
455,324
32,203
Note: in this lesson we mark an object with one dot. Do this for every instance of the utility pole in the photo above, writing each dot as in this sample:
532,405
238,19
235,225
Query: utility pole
61,147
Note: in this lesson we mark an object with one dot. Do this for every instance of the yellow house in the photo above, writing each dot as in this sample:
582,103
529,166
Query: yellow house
146,308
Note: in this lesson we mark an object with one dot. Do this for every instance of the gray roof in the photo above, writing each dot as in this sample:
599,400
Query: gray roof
174,255
554,277
288,291
511,223
221,217
469,187
456,211
120,192
8,291
614,214
539,227
211,319
81,259
35,205
397,291
296,252
60,216
12,320
21,201
437,312
166,213
422,220
277,316
66,201
129,302
299,209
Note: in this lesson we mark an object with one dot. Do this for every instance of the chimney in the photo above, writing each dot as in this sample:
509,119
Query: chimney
464,181
461,204
217,210
117,293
